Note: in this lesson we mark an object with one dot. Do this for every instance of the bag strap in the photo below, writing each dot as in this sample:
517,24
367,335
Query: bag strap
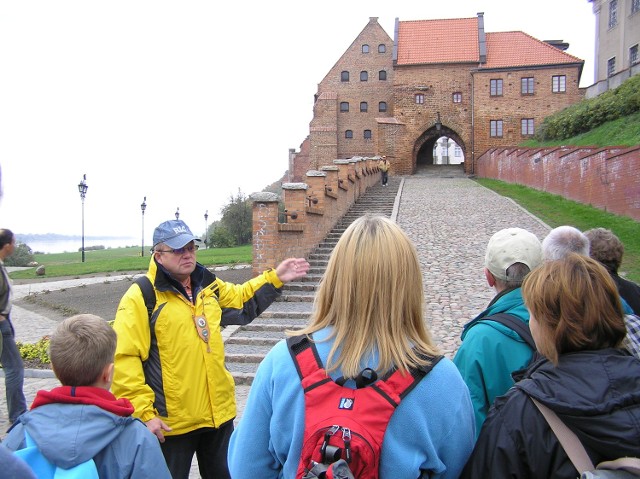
569,441
148,293
307,361
516,324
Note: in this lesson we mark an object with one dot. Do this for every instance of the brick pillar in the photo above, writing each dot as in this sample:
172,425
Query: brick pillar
265,230
295,201
331,180
343,173
315,194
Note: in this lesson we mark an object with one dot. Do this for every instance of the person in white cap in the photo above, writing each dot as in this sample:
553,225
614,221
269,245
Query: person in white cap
491,351
170,356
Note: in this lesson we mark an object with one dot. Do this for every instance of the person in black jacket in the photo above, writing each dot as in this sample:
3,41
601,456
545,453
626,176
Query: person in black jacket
606,248
585,378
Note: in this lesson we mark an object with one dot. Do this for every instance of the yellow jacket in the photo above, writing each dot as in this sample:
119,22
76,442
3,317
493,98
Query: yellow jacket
384,165
163,366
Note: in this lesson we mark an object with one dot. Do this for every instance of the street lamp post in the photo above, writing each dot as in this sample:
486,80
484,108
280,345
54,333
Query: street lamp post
143,207
178,213
82,188
206,227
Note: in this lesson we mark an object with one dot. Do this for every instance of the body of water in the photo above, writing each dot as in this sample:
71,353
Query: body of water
62,245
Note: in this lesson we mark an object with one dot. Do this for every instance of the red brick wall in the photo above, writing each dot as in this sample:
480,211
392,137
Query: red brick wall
607,178
329,123
512,106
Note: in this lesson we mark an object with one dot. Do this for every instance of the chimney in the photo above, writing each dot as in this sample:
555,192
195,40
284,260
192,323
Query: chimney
482,39
559,44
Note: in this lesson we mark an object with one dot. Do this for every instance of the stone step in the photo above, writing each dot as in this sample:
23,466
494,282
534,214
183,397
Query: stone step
299,286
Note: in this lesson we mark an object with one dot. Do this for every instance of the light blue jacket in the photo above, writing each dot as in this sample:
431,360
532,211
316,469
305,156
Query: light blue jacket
69,434
490,352
432,429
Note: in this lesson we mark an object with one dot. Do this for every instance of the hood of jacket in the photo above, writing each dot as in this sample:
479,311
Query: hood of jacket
69,434
595,393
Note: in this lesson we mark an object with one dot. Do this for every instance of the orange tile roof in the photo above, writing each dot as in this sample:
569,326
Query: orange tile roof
452,40
515,49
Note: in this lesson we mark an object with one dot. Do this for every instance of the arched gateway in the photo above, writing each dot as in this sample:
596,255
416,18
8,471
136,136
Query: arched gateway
428,148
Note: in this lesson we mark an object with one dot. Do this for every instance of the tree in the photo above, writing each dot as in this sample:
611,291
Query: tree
21,256
237,218
219,236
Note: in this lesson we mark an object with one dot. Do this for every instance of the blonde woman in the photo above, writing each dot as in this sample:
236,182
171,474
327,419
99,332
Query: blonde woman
368,314
587,379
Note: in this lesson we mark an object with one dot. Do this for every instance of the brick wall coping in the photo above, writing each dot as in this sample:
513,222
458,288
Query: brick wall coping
316,173
294,186
330,168
264,197
341,162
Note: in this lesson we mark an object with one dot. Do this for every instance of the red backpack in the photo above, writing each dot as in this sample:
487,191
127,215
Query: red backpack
345,423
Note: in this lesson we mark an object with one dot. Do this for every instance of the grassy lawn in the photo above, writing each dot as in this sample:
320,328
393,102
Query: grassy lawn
556,211
114,260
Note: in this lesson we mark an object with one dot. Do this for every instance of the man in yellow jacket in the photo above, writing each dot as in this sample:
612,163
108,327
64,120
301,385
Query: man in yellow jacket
170,364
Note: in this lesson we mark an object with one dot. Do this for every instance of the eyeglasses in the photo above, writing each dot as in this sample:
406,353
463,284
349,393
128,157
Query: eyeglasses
180,251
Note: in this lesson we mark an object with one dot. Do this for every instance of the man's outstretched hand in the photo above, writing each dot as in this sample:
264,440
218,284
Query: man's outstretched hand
291,269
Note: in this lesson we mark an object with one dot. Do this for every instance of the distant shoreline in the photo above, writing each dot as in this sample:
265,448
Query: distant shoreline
70,244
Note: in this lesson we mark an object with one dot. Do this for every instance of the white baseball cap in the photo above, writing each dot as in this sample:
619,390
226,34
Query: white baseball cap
510,246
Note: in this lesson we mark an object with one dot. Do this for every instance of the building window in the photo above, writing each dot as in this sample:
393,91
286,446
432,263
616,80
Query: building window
419,98
365,48
526,127
348,134
457,151
382,48
496,87
382,75
457,97
367,134
344,76
364,106
364,76
496,128
611,66
633,53
344,106
526,86
559,83
635,6
613,13
382,106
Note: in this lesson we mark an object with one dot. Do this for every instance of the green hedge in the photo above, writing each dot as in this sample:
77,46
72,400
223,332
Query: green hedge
591,113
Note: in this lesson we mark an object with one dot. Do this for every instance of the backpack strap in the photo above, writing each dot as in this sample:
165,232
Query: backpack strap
308,364
148,293
516,324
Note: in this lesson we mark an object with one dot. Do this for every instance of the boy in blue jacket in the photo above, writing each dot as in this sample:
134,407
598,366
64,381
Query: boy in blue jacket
82,420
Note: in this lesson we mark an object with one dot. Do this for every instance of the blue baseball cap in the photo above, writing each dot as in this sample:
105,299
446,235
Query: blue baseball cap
174,233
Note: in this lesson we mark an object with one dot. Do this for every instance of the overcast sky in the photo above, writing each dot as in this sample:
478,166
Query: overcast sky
185,102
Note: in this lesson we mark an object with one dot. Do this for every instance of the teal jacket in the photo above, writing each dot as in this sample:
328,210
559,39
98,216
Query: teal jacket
490,352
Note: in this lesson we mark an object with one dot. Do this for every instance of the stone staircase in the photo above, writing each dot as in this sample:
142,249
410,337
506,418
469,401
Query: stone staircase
247,345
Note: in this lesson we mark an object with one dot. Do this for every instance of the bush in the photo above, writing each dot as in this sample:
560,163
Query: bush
21,256
591,113
36,352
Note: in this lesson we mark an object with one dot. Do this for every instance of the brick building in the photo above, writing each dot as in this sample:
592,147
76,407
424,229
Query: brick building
436,78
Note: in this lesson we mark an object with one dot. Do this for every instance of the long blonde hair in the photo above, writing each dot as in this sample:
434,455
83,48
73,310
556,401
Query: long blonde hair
371,294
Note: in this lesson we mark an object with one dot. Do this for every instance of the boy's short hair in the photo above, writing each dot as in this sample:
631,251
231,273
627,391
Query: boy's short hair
80,348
